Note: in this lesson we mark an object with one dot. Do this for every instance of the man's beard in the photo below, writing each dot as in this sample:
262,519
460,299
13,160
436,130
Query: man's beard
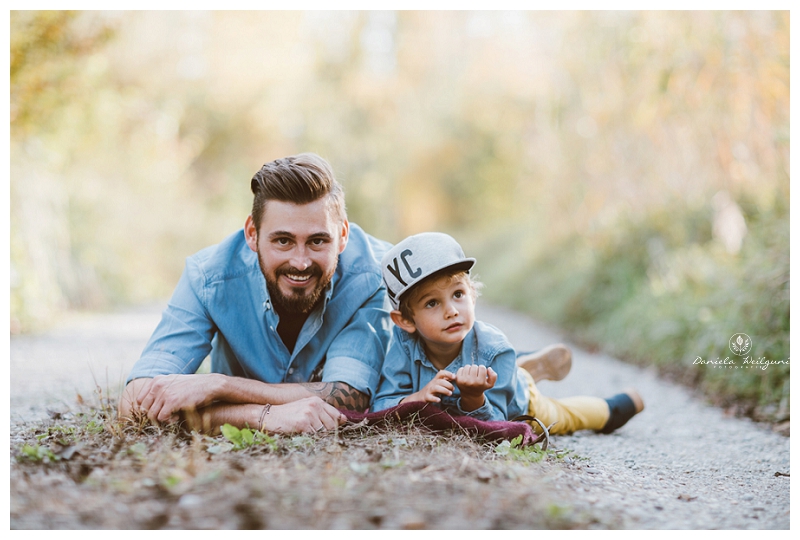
299,302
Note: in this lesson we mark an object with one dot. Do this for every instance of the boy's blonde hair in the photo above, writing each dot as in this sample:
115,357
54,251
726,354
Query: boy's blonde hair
453,274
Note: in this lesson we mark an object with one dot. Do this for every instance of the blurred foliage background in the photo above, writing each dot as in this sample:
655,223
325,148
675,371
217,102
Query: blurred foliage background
623,175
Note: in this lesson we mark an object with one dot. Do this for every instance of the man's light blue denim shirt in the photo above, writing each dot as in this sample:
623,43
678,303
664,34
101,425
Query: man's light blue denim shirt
221,306
407,370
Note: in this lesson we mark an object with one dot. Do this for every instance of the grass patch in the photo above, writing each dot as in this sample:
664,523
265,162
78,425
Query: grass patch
530,454
136,476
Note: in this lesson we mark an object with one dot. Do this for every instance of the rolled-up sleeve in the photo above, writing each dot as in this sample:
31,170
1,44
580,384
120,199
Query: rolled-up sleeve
487,411
183,337
356,354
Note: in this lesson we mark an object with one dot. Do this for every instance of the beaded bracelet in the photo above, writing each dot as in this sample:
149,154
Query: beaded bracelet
264,413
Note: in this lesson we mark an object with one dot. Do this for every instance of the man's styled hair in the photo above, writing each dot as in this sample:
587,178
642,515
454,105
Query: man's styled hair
453,274
299,179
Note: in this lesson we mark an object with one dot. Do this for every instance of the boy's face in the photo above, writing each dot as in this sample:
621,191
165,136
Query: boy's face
444,310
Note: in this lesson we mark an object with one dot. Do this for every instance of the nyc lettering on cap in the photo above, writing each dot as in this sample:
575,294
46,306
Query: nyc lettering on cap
416,258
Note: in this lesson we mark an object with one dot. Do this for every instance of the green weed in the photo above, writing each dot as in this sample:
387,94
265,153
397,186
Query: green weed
246,438
138,450
36,452
61,434
556,511
300,442
513,450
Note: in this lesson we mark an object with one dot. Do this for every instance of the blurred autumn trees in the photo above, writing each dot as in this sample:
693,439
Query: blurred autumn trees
578,154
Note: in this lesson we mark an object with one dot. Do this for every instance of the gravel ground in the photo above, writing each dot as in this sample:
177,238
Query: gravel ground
88,350
679,465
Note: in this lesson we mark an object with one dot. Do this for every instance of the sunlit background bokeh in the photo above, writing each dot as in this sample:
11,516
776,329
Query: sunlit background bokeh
623,175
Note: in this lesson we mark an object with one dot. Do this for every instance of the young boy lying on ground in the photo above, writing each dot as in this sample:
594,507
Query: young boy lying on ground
439,353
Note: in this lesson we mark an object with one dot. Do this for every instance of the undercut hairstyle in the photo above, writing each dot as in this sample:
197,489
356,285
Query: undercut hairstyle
299,179
413,293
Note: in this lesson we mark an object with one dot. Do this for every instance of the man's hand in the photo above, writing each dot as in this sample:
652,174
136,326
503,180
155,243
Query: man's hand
306,415
440,385
164,396
207,401
472,382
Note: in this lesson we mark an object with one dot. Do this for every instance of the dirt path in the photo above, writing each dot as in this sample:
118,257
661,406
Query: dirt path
49,370
679,465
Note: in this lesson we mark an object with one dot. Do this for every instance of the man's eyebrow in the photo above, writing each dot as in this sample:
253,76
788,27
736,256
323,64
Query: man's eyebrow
286,234
281,234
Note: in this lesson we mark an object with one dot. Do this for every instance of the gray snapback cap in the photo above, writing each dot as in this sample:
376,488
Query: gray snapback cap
416,258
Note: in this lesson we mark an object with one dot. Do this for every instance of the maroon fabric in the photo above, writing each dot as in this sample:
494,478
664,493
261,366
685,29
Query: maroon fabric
431,416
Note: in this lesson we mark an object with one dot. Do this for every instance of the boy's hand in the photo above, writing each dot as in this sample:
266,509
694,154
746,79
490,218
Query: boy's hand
473,381
440,384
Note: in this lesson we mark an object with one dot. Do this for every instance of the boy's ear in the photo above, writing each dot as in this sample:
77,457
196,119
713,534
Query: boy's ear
402,322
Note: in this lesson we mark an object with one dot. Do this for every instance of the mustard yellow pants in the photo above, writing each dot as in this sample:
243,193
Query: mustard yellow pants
571,414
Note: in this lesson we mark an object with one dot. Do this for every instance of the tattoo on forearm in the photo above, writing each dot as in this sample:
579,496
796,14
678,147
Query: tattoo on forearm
340,395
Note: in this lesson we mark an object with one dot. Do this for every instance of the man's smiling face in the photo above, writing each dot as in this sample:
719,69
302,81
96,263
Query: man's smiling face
298,248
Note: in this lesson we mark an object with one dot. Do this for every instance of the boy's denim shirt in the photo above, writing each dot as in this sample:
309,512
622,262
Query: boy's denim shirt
407,369
221,306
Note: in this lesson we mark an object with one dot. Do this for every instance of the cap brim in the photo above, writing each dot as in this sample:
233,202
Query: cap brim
465,265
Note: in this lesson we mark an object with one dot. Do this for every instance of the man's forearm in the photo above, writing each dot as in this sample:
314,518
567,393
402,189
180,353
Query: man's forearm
209,419
163,397
307,415
339,394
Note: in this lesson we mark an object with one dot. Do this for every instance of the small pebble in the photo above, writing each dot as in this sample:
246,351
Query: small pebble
189,500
